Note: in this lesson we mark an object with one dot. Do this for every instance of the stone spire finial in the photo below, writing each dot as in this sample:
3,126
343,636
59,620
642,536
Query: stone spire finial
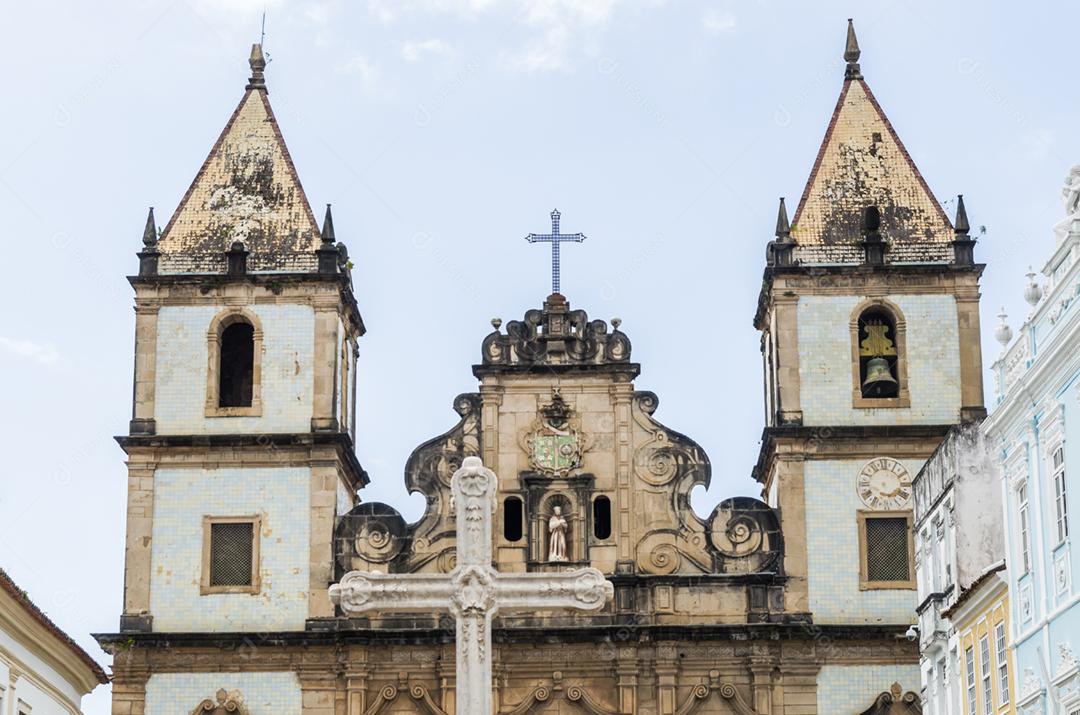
148,257
963,244
961,225
328,254
852,53
149,234
783,227
258,64
1003,333
328,227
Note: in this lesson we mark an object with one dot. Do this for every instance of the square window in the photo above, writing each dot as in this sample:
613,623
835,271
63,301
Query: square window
230,554
885,550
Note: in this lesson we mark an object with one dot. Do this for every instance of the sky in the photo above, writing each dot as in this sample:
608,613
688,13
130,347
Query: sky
443,132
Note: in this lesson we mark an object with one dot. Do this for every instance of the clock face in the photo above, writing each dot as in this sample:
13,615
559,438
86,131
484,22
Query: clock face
884,484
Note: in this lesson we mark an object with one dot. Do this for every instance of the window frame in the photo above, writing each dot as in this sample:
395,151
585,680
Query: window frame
610,523
986,674
865,584
522,524
903,397
1023,524
970,680
205,587
1061,503
213,363
1002,655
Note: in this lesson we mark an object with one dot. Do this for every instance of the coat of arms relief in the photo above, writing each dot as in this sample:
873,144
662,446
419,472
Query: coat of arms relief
554,441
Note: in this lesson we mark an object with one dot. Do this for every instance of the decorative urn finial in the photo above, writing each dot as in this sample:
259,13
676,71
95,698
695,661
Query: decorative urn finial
1032,291
1003,333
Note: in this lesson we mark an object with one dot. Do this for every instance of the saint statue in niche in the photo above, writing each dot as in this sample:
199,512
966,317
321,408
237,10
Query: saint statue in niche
557,536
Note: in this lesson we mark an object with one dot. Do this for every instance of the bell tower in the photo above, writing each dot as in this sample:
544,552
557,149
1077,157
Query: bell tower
870,343
240,448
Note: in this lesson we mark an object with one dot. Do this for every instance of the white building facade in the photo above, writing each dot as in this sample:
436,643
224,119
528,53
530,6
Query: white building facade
958,539
1035,428
42,671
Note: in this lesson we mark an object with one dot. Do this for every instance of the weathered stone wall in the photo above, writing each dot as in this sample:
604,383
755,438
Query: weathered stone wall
179,693
281,496
286,371
846,689
832,503
825,361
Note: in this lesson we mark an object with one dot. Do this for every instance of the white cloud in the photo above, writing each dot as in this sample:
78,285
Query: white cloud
359,66
556,23
559,22
42,354
390,10
414,50
718,21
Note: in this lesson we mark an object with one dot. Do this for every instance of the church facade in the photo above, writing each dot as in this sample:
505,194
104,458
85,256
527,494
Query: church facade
245,496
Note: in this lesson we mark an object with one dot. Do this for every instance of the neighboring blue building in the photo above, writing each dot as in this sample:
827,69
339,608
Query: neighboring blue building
1036,426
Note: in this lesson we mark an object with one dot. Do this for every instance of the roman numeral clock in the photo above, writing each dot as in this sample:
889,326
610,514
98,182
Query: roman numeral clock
884,484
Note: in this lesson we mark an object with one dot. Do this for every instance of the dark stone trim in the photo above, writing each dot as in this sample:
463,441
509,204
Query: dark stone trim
339,632
935,596
620,372
136,623
208,280
142,426
892,269
771,435
341,440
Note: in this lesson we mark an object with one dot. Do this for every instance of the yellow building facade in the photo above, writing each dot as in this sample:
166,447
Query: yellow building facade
987,681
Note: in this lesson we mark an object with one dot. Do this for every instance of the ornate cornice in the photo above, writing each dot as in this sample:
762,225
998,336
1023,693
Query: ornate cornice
556,338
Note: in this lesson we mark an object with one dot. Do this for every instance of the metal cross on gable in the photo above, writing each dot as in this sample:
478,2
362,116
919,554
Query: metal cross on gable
555,239
474,591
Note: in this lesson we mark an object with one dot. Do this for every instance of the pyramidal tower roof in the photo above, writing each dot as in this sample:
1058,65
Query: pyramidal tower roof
247,190
862,163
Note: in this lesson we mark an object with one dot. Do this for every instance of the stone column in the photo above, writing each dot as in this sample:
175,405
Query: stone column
318,692
138,543
621,395
761,686
356,690
785,325
791,495
667,680
324,406
128,687
324,480
446,673
971,374
142,410
13,677
491,397
626,680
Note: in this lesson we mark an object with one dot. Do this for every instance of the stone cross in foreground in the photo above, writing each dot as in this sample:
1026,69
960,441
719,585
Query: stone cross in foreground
474,591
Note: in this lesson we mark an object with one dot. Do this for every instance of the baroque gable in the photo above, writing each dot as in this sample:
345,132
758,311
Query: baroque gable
559,421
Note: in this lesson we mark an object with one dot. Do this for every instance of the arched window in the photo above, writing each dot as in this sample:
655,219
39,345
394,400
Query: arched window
878,362
234,360
513,519
236,373
601,509
877,354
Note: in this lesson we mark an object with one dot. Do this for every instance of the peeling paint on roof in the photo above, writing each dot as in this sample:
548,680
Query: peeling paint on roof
247,190
862,162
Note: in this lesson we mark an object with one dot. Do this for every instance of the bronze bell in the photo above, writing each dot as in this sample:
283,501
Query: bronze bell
879,377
